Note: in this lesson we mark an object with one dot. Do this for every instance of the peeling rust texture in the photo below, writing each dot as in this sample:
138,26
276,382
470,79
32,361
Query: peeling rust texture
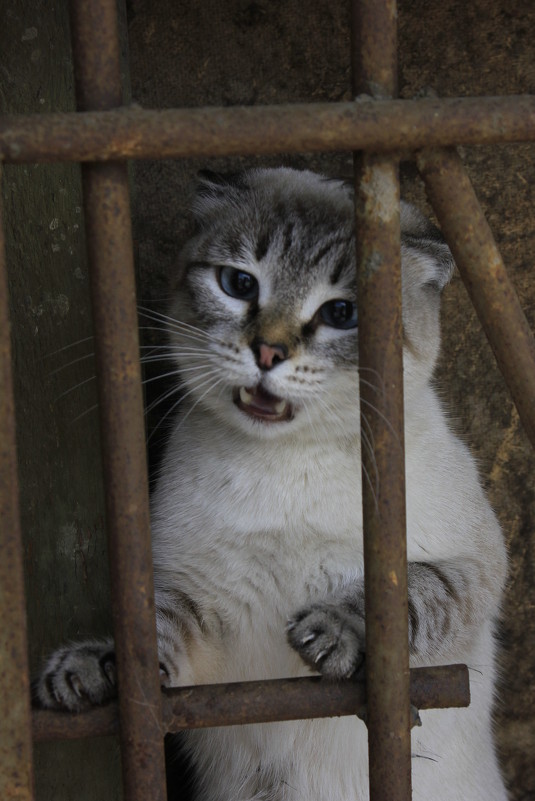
16,776
374,48
260,702
110,250
378,126
483,272
381,404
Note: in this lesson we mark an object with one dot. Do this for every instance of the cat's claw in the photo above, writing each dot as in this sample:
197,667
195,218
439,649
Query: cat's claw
328,639
77,677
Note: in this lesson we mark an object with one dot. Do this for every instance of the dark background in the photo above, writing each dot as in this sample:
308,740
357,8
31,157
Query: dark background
241,52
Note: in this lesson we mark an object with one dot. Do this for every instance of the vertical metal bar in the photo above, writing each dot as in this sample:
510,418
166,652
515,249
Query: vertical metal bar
16,776
109,238
483,272
380,360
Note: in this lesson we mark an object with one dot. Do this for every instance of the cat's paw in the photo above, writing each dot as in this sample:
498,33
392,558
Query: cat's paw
77,677
328,639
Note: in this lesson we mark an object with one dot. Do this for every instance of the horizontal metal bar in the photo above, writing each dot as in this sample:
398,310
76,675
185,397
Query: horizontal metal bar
16,777
259,702
373,125
483,272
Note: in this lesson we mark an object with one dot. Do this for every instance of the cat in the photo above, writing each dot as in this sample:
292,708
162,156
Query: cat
256,516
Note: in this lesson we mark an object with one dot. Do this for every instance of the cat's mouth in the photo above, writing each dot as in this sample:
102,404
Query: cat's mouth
257,402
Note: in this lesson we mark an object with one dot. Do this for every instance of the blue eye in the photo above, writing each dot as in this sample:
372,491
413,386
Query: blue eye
339,314
237,283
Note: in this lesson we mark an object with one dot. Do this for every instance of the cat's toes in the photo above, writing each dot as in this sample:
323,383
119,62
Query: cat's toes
329,640
77,677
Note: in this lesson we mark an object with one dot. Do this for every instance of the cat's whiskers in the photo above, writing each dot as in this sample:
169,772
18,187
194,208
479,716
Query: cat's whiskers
333,415
182,399
177,372
370,385
178,387
382,416
374,486
67,347
174,353
73,362
84,413
327,405
381,388
186,334
200,399
170,324
76,386
162,347
312,425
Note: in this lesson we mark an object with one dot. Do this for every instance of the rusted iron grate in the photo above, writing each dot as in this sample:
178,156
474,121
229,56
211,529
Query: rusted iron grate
103,132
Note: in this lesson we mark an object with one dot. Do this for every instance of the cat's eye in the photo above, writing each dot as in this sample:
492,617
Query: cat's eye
339,314
238,283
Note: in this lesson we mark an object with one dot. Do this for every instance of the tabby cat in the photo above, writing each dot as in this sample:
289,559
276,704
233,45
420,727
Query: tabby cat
256,515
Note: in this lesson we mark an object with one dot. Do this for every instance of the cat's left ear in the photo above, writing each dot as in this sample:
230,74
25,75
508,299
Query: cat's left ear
215,189
422,237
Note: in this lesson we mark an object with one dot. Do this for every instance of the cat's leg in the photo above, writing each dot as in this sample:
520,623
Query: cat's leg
80,675
448,601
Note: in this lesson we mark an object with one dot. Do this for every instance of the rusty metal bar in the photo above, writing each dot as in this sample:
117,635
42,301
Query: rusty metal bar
16,776
374,44
109,238
483,272
379,126
260,702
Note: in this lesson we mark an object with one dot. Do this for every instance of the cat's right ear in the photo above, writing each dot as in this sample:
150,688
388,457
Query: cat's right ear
215,189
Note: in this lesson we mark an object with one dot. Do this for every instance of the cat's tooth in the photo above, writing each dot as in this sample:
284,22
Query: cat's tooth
245,396
280,406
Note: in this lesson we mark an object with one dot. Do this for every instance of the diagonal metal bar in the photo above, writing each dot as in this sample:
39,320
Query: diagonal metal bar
377,125
380,350
110,250
16,777
477,256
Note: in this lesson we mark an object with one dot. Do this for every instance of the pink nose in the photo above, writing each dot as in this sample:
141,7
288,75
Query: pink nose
268,355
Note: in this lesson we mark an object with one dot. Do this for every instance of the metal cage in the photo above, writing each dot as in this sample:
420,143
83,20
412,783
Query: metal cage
379,129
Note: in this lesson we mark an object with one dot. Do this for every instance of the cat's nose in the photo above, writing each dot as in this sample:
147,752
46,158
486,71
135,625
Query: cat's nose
267,355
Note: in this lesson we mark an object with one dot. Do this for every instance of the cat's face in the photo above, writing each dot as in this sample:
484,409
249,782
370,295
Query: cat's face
266,331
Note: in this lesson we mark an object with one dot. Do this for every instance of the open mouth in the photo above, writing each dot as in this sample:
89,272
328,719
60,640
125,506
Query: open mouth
257,402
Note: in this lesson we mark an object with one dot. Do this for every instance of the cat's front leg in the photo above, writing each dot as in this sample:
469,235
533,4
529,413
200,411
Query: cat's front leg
77,676
81,675
448,603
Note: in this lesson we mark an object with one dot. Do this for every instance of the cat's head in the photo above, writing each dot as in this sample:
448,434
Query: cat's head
266,332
